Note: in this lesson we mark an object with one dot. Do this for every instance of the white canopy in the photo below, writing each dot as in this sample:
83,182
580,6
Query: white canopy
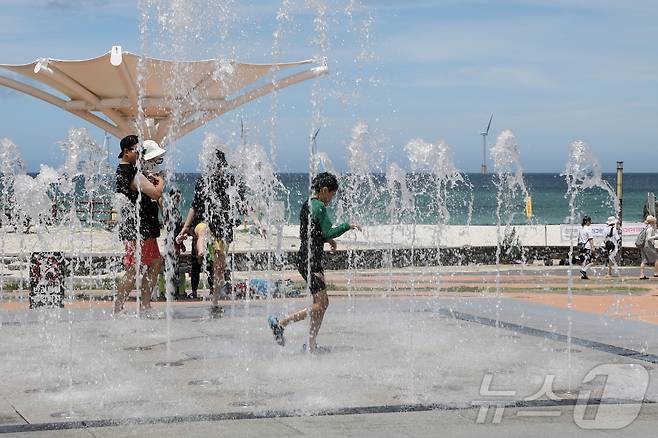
187,93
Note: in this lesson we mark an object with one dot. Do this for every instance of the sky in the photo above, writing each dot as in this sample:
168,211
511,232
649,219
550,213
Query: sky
552,71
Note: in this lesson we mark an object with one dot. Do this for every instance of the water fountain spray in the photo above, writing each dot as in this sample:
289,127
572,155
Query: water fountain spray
510,188
582,174
11,165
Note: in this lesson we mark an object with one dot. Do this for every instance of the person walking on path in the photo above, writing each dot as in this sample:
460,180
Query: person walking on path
612,243
646,243
315,229
140,207
585,246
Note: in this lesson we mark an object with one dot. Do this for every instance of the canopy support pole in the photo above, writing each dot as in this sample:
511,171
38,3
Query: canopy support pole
62,78
251,95
61,103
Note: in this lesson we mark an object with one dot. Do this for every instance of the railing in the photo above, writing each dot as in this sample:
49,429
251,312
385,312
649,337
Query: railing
88,211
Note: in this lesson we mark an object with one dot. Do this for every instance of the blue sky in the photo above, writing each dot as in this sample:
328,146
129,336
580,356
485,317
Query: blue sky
551,71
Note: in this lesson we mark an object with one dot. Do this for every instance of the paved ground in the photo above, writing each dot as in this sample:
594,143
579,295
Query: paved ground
407,360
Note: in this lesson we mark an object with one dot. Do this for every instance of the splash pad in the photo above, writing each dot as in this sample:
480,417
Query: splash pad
419,333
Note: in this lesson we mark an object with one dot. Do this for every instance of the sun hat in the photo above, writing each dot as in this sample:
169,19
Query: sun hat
151,150
612,220
650,219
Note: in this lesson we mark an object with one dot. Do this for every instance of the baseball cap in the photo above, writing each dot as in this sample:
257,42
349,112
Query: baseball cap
128,142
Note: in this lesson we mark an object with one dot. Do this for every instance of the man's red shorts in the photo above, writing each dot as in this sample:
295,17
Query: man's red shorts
150,252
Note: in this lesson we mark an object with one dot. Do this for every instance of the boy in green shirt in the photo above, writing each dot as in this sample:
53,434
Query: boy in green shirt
315,229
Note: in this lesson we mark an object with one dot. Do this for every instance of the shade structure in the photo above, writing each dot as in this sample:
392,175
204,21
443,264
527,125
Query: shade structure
124,93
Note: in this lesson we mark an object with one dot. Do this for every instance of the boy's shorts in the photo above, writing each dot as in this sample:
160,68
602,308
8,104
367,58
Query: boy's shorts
214,247
150,252
317,284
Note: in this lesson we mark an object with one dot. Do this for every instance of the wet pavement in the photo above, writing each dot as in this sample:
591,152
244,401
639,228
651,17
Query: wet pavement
404,364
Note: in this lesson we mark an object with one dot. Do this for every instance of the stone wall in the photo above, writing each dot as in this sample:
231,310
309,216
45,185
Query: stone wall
367,259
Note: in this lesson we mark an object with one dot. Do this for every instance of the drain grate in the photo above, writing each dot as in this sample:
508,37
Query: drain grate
178,363
139,348
204,382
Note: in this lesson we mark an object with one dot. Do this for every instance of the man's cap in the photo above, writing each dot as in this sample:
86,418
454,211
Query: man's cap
650,219
127,142
612,220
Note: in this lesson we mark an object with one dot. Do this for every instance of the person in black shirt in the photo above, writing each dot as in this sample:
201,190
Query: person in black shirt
210,221
140,206
315,229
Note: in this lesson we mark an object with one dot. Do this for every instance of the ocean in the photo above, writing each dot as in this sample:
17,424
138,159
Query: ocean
370,199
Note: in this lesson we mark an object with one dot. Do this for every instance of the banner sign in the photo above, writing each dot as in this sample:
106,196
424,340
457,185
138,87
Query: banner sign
570,231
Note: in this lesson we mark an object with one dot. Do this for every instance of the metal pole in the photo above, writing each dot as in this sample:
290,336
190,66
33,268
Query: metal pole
620,197
620,188
483,167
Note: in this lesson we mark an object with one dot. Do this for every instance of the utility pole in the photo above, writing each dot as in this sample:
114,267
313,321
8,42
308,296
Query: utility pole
620,188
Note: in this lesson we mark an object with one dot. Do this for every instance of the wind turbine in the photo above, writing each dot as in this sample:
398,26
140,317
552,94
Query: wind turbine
314,142
314,154
243,133
483,168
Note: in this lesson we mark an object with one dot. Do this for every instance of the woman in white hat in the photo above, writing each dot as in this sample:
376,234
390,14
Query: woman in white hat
648,249
152,156
611,244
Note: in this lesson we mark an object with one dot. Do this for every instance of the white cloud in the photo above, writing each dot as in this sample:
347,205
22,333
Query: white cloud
575,65
635,7
541,51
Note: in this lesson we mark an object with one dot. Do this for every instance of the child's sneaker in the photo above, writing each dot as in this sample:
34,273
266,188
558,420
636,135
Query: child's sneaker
277,329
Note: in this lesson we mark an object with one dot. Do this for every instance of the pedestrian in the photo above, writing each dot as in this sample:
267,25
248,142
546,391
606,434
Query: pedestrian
210,221
619,241
611,245
315,229
646,243
585,246
151,156
139,226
